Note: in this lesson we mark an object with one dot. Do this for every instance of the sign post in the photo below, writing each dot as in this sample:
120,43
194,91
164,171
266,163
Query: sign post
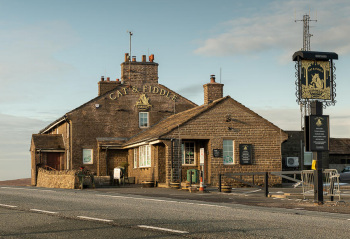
316,89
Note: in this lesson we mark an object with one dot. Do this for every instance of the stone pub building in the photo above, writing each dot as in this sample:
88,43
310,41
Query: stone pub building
157,133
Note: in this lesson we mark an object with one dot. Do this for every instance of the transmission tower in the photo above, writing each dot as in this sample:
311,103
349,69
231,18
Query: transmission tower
306,32
305,108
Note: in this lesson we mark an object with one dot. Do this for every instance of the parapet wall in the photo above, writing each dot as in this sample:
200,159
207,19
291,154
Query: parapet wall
57,179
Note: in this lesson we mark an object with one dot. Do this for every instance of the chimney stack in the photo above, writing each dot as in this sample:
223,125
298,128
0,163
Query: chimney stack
212,91
134,59
126,57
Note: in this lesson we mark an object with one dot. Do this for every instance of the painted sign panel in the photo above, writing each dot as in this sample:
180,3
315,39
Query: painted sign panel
315,80
319,133
201,156
217,153
87,156
245,154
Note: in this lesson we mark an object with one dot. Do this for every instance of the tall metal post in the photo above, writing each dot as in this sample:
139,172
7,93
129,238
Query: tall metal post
317,109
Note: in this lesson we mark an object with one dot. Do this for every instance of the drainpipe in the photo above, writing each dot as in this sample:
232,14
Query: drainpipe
69,153
106,161
172,159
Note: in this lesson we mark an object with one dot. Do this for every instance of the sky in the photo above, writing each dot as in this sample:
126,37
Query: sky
53,53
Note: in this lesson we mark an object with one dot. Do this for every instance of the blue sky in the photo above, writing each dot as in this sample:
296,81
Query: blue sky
53,53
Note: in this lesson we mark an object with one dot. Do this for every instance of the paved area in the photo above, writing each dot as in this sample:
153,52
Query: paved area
284,197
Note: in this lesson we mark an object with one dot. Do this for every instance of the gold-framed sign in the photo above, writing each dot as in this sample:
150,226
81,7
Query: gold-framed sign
315,76
315,80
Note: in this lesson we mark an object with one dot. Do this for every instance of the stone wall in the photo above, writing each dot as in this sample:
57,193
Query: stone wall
57,179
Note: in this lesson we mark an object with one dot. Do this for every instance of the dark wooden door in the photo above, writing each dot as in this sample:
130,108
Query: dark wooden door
53,160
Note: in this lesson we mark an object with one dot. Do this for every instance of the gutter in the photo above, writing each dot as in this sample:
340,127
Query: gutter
60,120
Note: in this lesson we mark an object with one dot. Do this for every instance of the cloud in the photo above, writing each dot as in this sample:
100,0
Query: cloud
274,28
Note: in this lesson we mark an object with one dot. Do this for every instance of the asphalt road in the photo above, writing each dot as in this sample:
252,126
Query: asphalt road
57,213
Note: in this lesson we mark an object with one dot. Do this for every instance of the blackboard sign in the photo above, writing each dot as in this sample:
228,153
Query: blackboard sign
217,153
319,133
245,154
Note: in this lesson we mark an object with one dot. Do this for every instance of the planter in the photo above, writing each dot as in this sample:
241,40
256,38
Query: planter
175,185
147,184
226,188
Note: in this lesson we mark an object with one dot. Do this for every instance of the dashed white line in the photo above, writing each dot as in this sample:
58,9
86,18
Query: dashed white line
95,219
162,229
5,205
43,211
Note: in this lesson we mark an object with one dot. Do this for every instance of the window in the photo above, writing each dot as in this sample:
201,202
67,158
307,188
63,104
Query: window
135,158
87,156
228,151
143,119
188,157
145,156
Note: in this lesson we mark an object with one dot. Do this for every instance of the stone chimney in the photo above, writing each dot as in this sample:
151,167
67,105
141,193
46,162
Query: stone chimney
139,72
212,91
105,86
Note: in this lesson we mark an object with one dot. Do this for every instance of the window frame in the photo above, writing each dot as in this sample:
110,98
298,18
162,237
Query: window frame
141,118
135,157
228,151
183,153
145,159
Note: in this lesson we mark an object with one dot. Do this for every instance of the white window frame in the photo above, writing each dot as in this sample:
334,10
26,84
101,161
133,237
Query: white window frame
135,157
140,117
88,156
227,152
183,152
145,156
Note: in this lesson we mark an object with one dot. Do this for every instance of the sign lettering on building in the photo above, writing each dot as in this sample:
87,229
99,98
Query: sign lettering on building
144,89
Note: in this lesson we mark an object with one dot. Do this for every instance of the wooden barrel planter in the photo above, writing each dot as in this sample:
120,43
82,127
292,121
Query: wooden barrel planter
175,185
147,184
226,188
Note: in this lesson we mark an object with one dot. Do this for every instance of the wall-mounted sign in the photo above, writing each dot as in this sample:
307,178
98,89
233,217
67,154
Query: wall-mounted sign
245,154
87,156
201,156
217,153
319,132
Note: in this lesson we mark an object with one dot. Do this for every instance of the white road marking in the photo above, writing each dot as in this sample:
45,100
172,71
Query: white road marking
162,229
254,191
95,219
5,205
162,200
43,211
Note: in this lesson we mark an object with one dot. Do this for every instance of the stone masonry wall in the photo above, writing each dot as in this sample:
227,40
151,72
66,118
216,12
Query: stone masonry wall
229,120
57,179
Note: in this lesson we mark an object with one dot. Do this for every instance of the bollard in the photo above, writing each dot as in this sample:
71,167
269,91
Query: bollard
219,182
266,184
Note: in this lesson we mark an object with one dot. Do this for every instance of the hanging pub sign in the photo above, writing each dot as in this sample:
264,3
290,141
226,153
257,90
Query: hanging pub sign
317,133
245,154
315,76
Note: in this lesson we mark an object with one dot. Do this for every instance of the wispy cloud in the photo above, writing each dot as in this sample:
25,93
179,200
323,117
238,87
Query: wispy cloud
273,28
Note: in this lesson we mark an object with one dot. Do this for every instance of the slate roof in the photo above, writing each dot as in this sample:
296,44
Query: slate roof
339,146
48,141
165,126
